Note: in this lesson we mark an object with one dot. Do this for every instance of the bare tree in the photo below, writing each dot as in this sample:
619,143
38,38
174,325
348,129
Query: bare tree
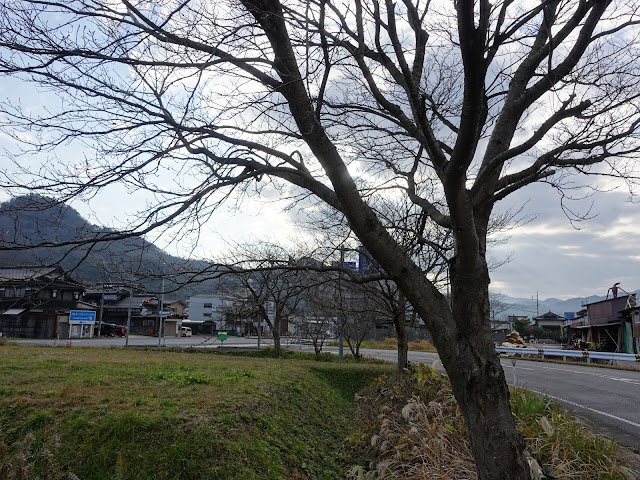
240,97
355,316
316,317
273,290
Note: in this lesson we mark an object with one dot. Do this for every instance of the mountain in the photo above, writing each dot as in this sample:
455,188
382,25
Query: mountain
528,307
56,233
33,220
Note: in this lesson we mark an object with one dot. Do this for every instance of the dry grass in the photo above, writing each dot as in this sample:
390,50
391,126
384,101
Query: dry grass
22,463
422,346
411,428
392,344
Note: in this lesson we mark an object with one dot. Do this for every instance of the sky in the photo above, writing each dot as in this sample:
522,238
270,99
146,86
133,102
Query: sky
549,256
552,257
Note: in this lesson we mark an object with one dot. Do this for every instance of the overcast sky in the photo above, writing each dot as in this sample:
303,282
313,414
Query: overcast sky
557,259
549,256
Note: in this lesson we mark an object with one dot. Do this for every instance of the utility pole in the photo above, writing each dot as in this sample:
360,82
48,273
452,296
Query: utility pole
341,313
126,344
101,312
160,307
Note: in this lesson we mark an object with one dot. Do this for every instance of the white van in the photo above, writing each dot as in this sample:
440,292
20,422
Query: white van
185,331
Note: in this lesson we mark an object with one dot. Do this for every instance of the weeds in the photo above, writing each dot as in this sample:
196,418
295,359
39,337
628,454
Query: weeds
28,462
392,344
411,428
564,444
180,378
133,414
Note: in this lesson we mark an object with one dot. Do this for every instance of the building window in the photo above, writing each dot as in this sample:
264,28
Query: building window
14,292
148,323
208,305
207,314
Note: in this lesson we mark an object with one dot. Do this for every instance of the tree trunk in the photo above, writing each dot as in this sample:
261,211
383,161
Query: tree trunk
483,396
275,330
478,380
276,341
403,343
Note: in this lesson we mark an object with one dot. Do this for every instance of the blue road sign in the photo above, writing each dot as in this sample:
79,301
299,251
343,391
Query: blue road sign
82,316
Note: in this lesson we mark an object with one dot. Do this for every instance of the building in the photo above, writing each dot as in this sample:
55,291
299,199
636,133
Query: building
550,321
367,265
35,302
113,302
208,307
499,330
608,325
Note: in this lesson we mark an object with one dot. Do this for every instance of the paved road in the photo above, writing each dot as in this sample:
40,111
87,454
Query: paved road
608,399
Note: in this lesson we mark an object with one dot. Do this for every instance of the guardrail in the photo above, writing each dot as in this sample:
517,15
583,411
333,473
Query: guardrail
586,354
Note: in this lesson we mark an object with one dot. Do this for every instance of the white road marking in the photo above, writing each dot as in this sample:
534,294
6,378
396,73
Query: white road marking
591,373
629,422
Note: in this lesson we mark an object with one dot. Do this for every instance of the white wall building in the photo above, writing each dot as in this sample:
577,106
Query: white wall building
208,307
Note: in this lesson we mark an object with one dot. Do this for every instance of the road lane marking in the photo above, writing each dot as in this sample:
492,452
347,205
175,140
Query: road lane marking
593,374
624,420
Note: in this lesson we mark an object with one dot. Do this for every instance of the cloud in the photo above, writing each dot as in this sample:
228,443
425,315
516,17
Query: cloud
556,259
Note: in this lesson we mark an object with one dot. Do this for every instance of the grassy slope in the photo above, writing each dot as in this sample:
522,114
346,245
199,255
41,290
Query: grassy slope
170,415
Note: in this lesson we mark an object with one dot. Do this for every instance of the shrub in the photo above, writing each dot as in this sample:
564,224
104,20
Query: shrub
410,427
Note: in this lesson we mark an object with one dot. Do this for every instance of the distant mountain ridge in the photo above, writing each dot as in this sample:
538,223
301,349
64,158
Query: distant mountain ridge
33,220
527,306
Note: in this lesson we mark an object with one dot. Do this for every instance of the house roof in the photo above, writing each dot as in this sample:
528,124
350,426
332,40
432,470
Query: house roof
136,302
169,302
8,274
550,316
13,311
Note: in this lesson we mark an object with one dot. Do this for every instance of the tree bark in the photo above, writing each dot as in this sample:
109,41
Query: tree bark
403,343
478,381
276,340
483,396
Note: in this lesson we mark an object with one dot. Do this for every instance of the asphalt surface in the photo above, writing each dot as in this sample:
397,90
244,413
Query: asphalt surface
607,399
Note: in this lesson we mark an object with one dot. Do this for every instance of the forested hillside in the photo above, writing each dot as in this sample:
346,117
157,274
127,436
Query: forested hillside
56,232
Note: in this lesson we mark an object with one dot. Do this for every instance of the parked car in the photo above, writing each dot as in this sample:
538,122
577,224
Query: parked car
111,330
185,331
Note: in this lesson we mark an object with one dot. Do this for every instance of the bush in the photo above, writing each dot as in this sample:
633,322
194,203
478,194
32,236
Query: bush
410,427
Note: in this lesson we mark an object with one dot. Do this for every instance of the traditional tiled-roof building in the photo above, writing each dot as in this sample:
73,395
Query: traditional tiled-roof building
35,301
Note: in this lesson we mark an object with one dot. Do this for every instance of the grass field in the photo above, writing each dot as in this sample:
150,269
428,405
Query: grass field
115,414
392,344
121,414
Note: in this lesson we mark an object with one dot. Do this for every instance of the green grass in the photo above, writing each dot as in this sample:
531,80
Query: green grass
558,440
122,414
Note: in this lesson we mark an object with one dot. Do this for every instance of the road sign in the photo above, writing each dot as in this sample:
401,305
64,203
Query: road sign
82,316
